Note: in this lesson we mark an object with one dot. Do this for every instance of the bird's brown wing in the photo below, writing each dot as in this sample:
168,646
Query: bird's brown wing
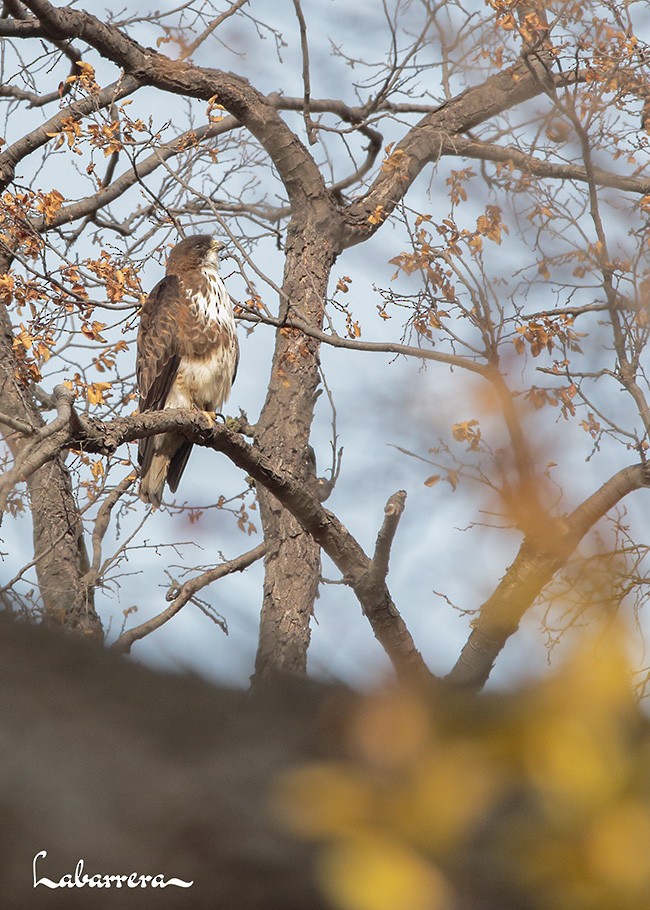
235,342
177,464
158,356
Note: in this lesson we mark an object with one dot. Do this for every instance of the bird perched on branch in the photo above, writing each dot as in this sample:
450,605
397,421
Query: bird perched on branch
187,355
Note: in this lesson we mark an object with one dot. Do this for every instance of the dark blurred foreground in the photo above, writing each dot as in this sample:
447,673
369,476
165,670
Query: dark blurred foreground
302,797
136,771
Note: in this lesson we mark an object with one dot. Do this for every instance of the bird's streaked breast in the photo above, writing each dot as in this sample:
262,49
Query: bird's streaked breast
207,345
204,382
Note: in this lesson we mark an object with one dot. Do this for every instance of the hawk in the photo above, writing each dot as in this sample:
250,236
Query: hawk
187,355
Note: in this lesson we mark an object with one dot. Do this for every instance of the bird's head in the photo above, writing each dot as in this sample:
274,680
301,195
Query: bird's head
194,252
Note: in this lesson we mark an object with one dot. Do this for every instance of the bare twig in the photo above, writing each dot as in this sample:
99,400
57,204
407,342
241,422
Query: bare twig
40,136
327,484
379,347
102,522
553,170
237,5
304,46
185,593
19,425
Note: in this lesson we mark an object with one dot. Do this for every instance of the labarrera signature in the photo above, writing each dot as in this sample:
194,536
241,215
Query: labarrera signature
81,879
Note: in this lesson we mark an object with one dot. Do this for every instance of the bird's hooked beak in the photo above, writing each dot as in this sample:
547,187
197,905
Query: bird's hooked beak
218,249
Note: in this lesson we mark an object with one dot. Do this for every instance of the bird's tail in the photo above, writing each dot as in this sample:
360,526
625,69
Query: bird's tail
152,482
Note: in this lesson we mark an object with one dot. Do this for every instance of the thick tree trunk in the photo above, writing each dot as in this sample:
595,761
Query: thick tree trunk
61,560
292,564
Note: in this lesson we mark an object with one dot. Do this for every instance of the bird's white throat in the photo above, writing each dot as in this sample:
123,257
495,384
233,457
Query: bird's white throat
213,302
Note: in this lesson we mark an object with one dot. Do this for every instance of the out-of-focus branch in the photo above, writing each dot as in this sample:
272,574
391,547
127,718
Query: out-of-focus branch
539,558
533,514
185,593
198,41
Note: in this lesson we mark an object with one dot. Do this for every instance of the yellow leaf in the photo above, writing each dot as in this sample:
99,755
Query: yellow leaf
476,243
372,873
324,799
95,392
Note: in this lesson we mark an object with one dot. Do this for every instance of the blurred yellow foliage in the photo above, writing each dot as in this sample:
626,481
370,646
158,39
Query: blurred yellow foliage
369,873
440,799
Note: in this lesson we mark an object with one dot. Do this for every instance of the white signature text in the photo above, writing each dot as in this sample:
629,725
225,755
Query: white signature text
81,879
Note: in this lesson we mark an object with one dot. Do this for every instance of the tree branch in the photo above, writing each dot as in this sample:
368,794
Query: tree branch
435,133
102,522
304,46
105,437
392,514
140,169
538,560
529,164
296,168
237,5
185,593
376,347
43,134
21,426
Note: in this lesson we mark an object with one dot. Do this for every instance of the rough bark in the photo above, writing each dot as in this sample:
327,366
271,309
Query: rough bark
292,562
61,560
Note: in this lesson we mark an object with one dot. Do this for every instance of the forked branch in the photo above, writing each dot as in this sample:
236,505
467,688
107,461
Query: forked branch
535,565
339,544
185,593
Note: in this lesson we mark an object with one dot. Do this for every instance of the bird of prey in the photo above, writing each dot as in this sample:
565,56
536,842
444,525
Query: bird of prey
187,355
